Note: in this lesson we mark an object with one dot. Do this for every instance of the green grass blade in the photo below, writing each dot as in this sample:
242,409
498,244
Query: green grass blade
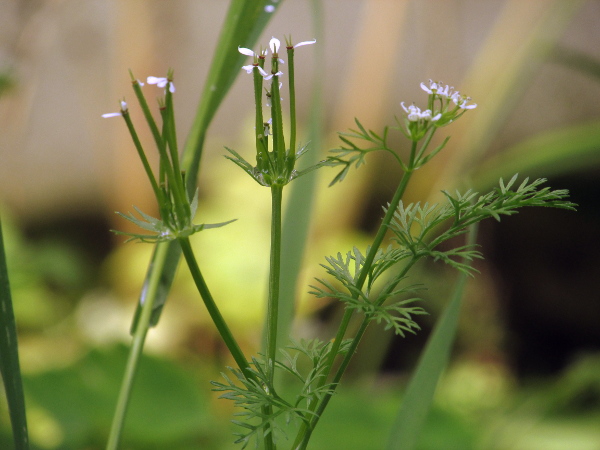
553,152
434,359
576,60
9,358
243,24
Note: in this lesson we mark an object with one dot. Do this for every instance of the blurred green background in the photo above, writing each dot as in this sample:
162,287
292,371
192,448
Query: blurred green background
526,367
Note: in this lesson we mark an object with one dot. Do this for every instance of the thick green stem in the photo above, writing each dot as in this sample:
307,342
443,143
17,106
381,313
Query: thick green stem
274,279
136,351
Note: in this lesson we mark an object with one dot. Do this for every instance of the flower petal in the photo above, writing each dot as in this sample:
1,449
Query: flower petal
262,72
249,68
300,44
245,51
107,115
274,44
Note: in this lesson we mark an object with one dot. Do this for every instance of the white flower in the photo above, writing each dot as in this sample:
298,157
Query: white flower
271,75
426,114
414,114
250,67
462,101
248,52
300,44
433,87
274,45
269,8
116,114
447,91
162,83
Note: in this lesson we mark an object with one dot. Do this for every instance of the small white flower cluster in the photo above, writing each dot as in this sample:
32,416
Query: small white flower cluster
274,46
439,113
161,82
414,113
448,92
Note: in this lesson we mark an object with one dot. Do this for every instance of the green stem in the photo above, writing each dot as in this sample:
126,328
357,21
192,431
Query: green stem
346,361
213,309
223,329
292,92
305,430
136,351
274,279
142,155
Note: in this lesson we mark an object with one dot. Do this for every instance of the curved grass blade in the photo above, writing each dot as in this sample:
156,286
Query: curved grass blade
553,152
9,358
434,359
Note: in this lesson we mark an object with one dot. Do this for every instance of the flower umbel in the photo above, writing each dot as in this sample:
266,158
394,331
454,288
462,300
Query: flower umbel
275,162
440,95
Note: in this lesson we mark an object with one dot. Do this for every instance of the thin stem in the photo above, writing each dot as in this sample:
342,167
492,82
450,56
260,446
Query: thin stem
292,93
136,350
142,155
305,431
274,279
277,121
213,309
223,329
347,358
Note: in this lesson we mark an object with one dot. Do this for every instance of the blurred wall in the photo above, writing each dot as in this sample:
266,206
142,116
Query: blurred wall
70,60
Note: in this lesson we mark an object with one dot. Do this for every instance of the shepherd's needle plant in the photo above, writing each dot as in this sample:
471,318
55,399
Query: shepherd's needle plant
373,283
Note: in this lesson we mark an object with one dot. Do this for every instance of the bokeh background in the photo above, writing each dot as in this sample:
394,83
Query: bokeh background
526,367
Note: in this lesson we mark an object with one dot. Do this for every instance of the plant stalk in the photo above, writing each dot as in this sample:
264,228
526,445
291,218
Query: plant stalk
274,280
136,351
305,431
213,309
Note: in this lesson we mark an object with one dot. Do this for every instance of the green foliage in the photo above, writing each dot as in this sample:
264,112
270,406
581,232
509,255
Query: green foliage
253,395
350,154
413,225
168,404
397,314
161,231
256,394
414,228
